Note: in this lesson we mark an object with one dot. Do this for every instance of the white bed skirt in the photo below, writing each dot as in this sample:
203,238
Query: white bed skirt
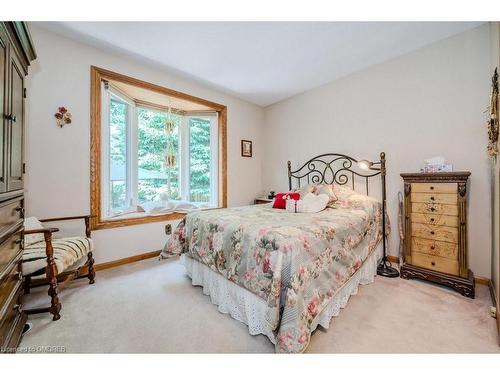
250,309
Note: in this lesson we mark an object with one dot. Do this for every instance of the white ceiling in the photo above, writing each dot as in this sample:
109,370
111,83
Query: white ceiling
262,62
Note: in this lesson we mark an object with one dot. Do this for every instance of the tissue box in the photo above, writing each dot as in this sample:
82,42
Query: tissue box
435,168
436,164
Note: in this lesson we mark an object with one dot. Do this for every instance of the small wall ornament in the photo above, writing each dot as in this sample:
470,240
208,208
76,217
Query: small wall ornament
63,117
493,128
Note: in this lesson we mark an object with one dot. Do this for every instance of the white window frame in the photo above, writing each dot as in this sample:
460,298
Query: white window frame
132,155
184,158
112,93
214,149
214,156
105,100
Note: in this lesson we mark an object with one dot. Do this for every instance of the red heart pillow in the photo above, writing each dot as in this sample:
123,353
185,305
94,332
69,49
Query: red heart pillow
281,198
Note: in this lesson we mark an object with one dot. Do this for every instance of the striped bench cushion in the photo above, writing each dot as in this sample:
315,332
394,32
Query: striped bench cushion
67,252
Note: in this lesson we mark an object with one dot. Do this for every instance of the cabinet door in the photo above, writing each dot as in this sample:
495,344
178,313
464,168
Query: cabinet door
16,124
3,109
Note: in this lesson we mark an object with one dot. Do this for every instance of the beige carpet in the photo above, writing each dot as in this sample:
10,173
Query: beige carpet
151,306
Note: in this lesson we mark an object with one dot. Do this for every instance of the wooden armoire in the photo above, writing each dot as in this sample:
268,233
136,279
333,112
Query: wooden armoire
16,53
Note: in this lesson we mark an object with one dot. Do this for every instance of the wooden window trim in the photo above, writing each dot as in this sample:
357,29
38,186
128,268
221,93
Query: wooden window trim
97,75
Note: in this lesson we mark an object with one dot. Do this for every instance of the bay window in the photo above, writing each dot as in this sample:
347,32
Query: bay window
158,158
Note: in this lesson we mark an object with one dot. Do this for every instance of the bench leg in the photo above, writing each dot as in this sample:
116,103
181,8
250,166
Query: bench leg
51,273
55,304
91,274
27,285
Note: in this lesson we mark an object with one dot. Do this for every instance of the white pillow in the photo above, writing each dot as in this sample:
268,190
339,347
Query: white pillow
311,203
29,224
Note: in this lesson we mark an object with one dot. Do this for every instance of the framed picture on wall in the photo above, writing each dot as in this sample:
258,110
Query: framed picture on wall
246,148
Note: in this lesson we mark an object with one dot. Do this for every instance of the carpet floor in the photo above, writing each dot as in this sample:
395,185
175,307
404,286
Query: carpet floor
151,307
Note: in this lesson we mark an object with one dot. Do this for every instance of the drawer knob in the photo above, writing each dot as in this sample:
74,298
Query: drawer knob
432,198
433,209
432,232
432,187
432,247
432,219
17,307
433,263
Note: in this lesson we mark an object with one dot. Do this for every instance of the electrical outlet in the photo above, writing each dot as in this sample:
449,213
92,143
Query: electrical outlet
493,311
168,229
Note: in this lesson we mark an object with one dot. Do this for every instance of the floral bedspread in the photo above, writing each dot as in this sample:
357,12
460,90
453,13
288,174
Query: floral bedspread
296,262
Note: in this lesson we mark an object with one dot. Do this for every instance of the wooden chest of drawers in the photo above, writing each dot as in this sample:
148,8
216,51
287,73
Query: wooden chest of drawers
435,229
12,318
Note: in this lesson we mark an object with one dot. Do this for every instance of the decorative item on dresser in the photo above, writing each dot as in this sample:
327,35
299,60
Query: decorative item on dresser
16,53
435,225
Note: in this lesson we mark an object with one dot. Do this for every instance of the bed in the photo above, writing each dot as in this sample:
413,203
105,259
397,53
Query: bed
284,273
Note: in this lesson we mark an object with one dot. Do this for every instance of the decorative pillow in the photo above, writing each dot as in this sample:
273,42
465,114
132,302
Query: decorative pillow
325,189
29,224
303,191
281,198
350,199
343,192
310,204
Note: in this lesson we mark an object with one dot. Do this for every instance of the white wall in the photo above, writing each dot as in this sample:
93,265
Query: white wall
58,177
427,103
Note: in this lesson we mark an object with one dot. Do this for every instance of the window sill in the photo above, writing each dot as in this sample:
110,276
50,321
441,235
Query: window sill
135,220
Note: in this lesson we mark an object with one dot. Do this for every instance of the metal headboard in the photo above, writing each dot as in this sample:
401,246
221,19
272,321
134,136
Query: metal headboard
341,169
333,169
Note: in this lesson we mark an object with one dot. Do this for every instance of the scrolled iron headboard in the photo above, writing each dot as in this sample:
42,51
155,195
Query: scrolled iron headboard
341,169
333,169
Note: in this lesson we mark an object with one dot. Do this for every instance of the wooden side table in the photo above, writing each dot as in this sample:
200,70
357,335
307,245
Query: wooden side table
262,200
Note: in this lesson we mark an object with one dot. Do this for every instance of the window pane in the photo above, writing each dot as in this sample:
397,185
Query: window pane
153,173
199,159
118,156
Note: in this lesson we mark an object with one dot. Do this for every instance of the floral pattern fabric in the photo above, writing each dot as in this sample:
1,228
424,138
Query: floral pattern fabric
295,262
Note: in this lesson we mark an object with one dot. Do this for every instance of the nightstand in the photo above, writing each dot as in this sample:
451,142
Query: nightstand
262,200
